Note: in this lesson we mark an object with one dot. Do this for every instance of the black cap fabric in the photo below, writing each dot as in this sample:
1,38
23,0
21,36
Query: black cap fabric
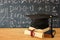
39,21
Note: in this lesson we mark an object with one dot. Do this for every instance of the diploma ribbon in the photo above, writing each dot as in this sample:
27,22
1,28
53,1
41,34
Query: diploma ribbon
32,33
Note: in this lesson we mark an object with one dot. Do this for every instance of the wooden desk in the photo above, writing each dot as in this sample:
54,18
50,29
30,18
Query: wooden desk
18,34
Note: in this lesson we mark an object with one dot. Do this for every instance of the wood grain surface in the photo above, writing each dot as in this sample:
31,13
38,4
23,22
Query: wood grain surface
18,34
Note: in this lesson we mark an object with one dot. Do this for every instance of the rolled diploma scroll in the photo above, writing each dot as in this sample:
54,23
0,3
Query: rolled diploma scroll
36,34
39,30
27,32
31,28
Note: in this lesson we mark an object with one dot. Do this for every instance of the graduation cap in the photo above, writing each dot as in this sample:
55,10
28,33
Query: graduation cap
40,21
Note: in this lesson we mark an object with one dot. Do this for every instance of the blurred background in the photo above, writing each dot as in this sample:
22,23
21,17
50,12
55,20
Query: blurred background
13,12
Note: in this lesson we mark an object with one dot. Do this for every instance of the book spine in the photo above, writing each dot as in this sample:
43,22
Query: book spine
49,33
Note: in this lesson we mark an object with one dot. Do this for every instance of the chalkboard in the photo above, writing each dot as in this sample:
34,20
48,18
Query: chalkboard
13,12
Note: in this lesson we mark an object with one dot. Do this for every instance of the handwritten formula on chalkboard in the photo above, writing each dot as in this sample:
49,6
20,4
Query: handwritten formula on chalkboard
13,12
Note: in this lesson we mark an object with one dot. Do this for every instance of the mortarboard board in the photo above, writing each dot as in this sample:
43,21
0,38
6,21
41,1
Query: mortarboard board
39,21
